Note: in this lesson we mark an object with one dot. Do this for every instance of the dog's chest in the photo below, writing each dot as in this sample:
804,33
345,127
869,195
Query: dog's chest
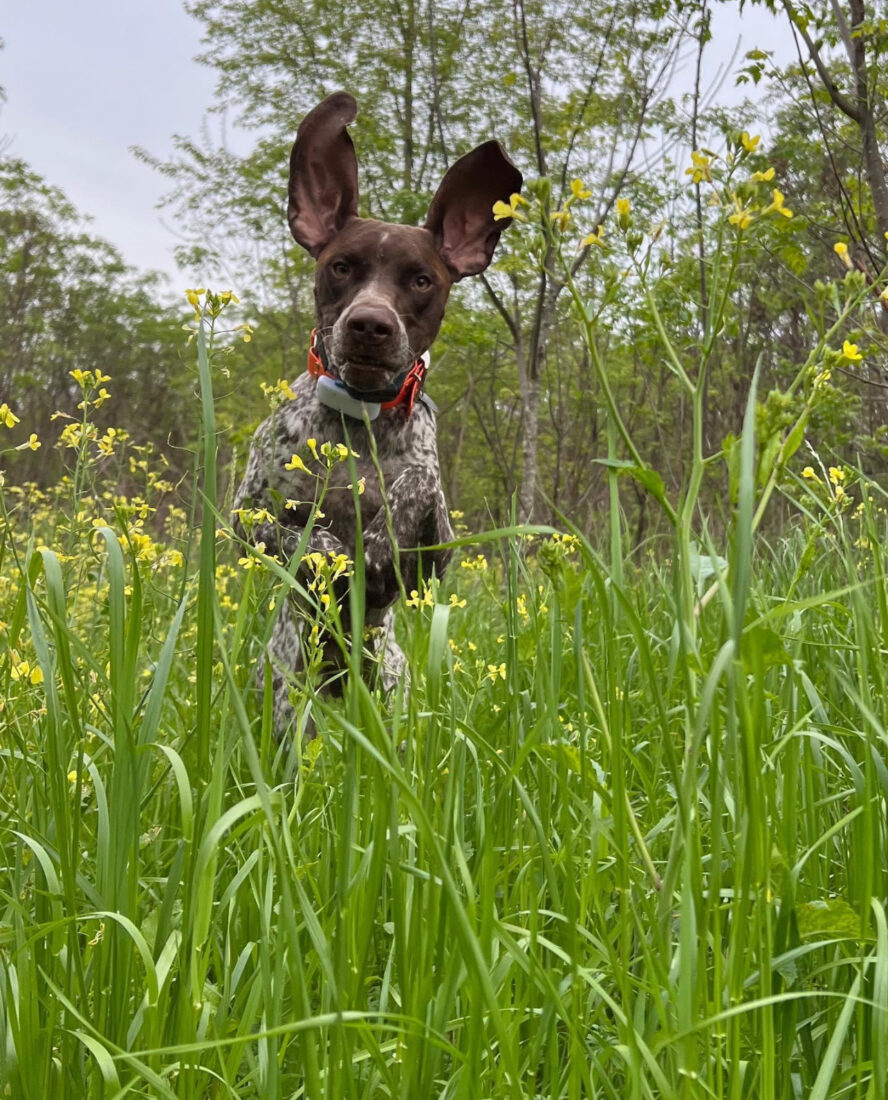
321,458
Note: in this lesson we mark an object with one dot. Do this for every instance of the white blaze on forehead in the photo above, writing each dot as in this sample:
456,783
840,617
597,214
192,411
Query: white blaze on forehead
374,293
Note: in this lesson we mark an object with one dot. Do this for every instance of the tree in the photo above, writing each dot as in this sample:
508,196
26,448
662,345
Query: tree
842,50
68,302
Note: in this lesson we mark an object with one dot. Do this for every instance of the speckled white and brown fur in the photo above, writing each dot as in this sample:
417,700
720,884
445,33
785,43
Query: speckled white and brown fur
408,458
380,294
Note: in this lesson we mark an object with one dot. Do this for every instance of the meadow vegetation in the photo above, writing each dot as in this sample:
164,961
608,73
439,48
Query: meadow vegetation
626,836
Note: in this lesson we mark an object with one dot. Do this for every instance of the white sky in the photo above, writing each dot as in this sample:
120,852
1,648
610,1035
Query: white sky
87,79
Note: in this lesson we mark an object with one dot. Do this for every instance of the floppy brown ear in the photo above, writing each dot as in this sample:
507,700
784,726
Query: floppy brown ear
323,188
461,213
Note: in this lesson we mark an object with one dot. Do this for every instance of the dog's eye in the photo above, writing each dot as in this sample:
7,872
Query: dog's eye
340,268
422,282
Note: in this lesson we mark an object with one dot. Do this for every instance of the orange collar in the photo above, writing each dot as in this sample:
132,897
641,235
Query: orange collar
409,384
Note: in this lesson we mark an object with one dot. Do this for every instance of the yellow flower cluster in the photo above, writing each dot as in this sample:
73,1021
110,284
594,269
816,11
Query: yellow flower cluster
478,564
24,671
427,599
701,168
331,564
88,380
327,455
278,393
837,477
211,304
252,560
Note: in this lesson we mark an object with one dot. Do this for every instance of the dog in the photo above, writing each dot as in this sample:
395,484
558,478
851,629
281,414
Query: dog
380,295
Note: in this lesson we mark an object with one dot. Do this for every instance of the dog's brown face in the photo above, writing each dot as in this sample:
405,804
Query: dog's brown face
380,292
381,289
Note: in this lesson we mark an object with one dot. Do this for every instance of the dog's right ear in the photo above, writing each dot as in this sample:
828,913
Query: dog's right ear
323,192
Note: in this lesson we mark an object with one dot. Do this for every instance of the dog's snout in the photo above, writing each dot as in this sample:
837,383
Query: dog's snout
371,324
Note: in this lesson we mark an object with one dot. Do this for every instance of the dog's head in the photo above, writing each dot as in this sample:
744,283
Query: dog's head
381,289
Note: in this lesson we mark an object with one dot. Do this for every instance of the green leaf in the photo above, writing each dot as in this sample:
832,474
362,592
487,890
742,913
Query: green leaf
832,917
644,475
762,648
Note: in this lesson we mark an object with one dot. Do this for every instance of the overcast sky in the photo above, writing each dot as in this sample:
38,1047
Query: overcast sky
84,81
87,79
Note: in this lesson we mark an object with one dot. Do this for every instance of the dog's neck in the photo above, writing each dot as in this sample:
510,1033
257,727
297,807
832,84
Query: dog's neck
333,393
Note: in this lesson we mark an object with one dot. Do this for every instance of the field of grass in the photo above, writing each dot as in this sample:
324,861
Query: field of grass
625,838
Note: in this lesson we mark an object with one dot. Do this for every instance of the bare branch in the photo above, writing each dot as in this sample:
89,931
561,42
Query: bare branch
846,106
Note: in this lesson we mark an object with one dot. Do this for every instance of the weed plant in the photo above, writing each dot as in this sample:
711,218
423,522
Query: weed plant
624,838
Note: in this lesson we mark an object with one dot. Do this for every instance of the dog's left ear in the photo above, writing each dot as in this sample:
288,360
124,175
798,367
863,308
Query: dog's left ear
461,213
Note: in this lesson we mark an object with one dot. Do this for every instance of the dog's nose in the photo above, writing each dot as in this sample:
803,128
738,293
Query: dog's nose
371,324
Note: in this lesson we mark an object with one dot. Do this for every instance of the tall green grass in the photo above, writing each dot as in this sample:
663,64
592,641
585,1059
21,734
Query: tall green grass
625,837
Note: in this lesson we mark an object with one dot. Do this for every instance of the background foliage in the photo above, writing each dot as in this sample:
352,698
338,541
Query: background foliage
574,93
626,835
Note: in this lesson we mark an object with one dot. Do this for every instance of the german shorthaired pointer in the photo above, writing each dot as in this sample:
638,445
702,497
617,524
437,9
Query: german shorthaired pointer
380,293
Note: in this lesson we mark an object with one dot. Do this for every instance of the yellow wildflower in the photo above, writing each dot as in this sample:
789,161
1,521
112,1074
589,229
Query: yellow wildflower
836,474
494,671
476,564
427,599
579,190
762,177
248,561
33,443
503,210
296,463
7,416
750,143
22,670
312,445
841,250
596,238
777,206
701,168
810,474
743,215
193,297
850,352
